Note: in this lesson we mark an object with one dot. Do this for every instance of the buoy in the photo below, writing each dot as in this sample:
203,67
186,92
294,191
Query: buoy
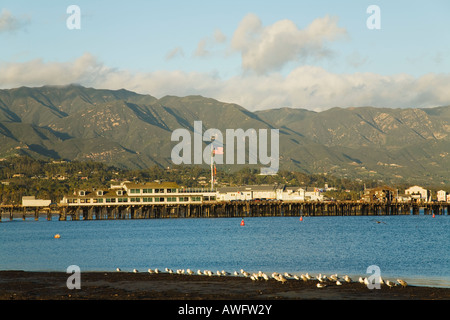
242,222
433,215
301,218
57,236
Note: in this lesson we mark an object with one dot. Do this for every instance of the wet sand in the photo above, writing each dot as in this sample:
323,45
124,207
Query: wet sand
20,285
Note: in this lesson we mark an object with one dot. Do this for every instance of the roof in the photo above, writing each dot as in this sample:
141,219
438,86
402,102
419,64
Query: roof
266,188
151,185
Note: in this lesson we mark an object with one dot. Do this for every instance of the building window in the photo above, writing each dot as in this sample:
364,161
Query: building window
135,190
135,199
171,199
147,191
110,200
196,199
181,199
122,199
159,199
147,199
159,190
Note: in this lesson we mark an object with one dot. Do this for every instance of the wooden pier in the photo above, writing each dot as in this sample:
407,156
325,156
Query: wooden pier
217,209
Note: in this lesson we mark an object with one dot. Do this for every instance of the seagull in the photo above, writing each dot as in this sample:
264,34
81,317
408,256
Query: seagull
366,281
296,277
156,270
321,285
334,277
361,280
390,284
118,270
402,283
304,277
190,272
199,272
338,283
347,279
282,279
236,273
135,271
150,271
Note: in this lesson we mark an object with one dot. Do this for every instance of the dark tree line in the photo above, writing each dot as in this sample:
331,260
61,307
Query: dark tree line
22,176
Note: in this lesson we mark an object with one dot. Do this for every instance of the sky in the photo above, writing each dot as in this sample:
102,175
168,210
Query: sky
262,54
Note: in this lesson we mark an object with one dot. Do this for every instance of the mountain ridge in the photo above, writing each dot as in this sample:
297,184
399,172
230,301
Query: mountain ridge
132,130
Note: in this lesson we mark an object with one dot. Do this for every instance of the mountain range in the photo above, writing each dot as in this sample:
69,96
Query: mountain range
133,130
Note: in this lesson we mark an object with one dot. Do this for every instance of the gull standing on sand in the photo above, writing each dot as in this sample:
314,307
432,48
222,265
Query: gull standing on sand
402,283
390,284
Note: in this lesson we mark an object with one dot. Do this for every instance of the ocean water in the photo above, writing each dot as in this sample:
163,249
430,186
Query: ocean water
415,248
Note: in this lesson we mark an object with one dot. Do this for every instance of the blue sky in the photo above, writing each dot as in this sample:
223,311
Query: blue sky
260,54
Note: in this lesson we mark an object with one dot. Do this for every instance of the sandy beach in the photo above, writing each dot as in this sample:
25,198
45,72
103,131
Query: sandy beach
20,285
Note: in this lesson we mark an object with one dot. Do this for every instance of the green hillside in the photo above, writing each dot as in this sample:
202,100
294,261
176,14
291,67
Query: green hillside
131,130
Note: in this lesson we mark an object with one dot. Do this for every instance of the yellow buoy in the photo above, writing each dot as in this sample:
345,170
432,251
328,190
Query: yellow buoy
57,236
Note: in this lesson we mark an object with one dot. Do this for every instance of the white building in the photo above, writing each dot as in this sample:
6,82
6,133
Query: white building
31,201
267,192
291,194
419,194
442,195
249,192
313,194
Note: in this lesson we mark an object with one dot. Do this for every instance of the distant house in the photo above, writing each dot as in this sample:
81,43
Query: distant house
31,201
313,194
442,195
291,194
419,194
379,194
248,192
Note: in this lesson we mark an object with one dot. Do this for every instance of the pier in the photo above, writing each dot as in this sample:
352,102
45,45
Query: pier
222,209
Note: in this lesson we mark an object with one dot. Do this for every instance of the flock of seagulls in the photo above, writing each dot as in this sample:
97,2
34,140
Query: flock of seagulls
322,280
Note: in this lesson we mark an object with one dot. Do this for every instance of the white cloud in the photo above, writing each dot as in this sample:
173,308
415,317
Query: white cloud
207,44
174,53
9,23
265,49
306,86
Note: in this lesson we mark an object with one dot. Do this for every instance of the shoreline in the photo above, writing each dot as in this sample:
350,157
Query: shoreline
29,285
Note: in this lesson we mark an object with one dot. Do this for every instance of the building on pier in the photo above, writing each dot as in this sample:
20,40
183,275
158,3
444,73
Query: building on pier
419,194
144,193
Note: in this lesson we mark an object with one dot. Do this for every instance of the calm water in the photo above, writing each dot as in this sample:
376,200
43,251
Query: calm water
415,248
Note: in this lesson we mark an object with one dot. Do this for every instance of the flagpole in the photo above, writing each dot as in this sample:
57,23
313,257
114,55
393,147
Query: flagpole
212,164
